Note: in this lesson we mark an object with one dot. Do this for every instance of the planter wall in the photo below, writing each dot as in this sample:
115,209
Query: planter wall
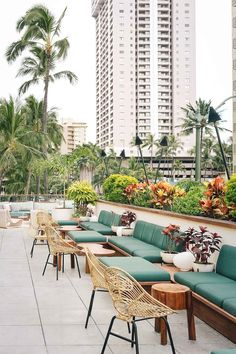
226,229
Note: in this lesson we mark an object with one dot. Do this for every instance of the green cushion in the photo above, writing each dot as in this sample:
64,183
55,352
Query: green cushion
226,263
139,268
192,279
16,214
138,229
67,222
150,255
102,216
96,226
116,220
224,351
229,305
131,245
158,237
86,236
216,293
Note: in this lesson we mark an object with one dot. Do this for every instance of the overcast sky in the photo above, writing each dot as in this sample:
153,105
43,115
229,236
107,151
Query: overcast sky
213,28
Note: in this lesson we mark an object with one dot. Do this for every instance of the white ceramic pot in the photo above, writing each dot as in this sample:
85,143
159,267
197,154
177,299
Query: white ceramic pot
127,231
201,267
167,257
184,261
84,218
114,228
93,218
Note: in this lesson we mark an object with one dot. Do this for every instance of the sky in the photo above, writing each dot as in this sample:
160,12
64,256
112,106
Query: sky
213,44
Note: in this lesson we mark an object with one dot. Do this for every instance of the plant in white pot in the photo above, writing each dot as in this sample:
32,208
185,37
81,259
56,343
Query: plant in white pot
202,244
83,194
173,235
127,218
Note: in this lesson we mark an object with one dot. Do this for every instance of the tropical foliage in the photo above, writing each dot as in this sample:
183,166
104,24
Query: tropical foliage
83,194
114,187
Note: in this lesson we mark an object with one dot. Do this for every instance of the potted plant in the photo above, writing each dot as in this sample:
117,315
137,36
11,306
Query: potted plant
173,234
126,220
202,244
83,194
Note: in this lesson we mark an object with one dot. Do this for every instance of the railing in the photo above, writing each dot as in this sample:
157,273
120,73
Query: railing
30,197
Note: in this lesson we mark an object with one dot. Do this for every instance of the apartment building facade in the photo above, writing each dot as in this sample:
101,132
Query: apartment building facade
74,134
145,68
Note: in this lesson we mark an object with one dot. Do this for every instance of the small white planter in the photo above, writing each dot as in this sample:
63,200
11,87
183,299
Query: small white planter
123,231
184,261
167,257
201,267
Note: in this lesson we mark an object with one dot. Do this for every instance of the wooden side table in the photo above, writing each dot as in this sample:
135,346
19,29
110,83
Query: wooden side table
97,250
177,297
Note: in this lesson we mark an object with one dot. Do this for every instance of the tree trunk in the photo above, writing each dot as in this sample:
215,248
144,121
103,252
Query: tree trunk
45,121
27,187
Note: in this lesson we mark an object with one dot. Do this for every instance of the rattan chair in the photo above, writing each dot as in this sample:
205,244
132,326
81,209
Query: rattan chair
37,228
132,304
58,247
6,220
97,273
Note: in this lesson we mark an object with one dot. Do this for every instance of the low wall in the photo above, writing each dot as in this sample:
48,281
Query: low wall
226,229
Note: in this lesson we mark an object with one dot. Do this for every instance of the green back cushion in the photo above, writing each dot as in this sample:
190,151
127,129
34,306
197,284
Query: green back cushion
116,220
158,237
106,217
138,229
226,263
102,216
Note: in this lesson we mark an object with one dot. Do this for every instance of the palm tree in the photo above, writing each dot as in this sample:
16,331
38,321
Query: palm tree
15,136
174,145
40,36
151,143
178,167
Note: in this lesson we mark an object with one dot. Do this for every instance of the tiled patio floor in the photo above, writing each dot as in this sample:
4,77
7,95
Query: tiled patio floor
39,315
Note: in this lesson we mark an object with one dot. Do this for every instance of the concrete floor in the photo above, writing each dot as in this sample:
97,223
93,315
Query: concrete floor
40,315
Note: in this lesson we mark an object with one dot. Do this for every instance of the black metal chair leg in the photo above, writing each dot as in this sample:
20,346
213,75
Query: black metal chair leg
58,258
132,334
128,325
77,262
108,334
63,262
46,264
32,249
90,307
136,337
169,334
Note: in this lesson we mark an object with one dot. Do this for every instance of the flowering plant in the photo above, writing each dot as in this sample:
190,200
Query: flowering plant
127,218
202,243
164,194
174,237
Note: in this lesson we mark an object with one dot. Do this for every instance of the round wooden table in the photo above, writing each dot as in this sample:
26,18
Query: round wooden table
177,297
96,249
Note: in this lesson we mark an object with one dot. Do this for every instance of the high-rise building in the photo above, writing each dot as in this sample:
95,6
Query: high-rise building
145,68
74,134
234,80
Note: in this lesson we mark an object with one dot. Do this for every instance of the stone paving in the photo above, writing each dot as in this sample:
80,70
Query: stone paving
39,315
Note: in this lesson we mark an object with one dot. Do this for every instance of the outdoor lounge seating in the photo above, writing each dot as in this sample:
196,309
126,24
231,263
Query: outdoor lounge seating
133,304
6,220
87,236
147,242
214,294
105,220
58,247
224,351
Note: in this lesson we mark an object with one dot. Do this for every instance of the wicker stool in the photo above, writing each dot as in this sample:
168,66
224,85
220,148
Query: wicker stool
177,297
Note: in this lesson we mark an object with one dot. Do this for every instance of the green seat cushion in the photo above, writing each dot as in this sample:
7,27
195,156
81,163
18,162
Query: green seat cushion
139,268
192,279
226,263
229,305
96,226
150,255
86,236
224,351
130,244
16,214
216,293
67,222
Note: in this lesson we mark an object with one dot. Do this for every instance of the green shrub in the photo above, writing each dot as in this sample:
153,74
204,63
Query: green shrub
187,184
230,195
189,204
114,186
83,194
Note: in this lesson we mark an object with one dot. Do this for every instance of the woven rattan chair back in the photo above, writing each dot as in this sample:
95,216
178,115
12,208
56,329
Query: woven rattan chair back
130,299
44,219
97,270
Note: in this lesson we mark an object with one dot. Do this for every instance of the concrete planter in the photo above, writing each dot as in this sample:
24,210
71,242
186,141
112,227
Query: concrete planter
227,229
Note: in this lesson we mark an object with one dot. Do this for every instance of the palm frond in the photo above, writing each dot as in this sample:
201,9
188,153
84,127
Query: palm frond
25,86
66,75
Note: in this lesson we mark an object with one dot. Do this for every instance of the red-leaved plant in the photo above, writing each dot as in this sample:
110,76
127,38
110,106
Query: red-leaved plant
127,218
173,234
201,243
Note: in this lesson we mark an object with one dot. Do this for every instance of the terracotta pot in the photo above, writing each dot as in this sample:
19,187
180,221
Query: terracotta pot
167,257
201,267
